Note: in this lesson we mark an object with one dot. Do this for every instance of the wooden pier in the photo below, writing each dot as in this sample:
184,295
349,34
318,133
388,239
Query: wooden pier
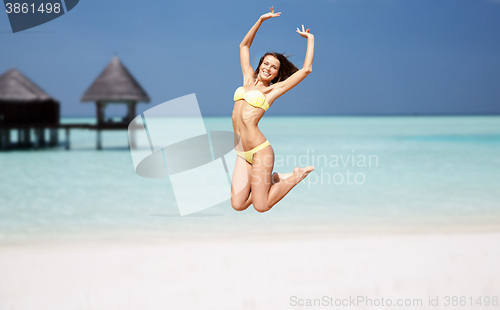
34,135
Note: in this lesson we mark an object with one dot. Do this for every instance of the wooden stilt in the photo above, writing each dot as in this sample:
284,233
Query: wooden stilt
19,136
2,143
67,138
54,137
37,138
41,136
99,142
132,138
26,136
7,139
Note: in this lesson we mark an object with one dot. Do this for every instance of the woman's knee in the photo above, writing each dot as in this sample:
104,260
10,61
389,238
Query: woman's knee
261,207
239,206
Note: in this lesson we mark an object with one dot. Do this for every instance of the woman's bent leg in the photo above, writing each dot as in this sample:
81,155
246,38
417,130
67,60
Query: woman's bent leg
265,196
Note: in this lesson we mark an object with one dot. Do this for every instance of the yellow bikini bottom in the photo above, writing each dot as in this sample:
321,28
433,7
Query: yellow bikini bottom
248,155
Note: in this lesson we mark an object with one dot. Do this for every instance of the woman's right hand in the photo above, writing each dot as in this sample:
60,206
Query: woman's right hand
269,15
305,33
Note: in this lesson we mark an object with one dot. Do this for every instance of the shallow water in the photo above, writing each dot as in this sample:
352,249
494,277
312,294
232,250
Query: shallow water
370,171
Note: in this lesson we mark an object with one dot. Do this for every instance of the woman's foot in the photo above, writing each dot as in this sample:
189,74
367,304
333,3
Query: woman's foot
301,173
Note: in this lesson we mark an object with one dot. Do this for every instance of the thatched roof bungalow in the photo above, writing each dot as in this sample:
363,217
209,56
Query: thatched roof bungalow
114,85
22,102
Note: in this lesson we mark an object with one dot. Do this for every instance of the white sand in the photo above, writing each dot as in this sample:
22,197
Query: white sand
250,274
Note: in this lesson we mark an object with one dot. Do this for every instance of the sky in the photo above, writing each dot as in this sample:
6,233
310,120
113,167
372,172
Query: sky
372,57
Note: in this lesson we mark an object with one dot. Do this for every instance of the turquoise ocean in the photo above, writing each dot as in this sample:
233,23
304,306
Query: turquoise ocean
421,173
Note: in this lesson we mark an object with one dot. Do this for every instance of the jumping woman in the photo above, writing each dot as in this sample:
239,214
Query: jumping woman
253,181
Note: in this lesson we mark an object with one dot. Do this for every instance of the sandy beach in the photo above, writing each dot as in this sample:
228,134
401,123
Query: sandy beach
256,273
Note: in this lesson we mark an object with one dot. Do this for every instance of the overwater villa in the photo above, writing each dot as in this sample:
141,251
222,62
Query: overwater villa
115,85
25,107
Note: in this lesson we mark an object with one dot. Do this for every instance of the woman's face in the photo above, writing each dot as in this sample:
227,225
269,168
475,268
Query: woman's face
269,68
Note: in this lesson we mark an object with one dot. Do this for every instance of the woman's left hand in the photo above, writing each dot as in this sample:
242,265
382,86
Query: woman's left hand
269,15
305,33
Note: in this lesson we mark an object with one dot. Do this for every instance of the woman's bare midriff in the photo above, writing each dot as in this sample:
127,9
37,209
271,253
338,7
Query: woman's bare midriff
245,121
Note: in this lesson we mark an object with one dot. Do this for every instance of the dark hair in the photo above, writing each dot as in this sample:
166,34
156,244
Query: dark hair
287,68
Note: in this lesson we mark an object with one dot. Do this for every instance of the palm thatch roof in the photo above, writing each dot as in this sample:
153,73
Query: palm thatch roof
115,83
16,87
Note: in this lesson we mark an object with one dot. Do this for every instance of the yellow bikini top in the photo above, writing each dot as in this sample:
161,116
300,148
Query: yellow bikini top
254,98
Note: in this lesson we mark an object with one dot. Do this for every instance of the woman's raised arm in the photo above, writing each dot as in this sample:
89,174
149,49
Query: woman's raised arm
246,67
297,77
